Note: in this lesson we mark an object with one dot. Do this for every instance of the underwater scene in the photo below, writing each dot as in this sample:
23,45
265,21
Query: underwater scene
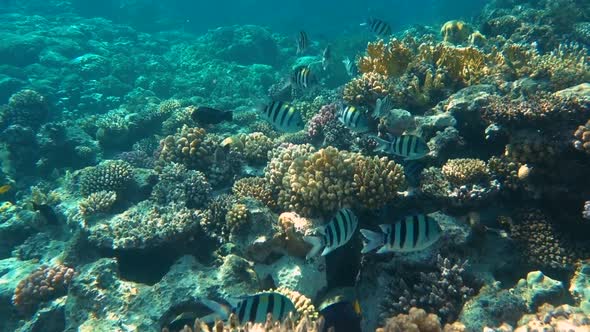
295,166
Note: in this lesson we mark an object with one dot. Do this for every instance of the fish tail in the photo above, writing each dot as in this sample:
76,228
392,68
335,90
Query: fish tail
374,240
316,245
220,310
382,145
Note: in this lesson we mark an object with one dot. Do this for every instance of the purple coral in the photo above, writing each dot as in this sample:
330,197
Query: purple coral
317,123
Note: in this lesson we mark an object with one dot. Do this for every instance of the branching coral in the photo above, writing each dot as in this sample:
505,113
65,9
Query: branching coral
317,123
417,320
303,304
465,171
111,175
455,31
288,325
507,172
213,219
254,147
97,202
236,217
367,88
256,188
566,66
312,182
442,291
43,284
550,318
182,186
391,59
190,147
541,242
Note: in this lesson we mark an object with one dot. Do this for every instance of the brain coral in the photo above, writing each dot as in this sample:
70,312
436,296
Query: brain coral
110,175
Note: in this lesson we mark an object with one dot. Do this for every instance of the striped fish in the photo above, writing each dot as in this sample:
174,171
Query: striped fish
353,118
302,42
334,234
379,27
302,77
256,307
283,116
252,308
412,233
413,170
410,147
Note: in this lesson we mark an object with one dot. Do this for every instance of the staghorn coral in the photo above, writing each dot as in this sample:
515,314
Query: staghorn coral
455,32
391,59
110,175
564,67
376,180
465,171
97,202
254,188
541,242
442,291
189,146
582,137
417,320
43,284
179,185
319,182
550,318
366,89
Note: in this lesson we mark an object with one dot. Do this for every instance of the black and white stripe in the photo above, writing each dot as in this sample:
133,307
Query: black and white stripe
283,116
302,42
409,146
412,233
379,27
353,118
339,230
255,308
302,77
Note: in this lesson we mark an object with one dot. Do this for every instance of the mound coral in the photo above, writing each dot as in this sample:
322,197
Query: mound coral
442,291
455,31
465,171
26,108
417,320
100,201
312,182
366,89
254,188
182,186
43,284
254,147
190,147
110,175
237,216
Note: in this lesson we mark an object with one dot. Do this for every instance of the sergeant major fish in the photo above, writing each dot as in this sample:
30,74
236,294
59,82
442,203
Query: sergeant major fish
253,308
302,42
334,234
353,118
283,116
410,147
302,77
412,233
379,27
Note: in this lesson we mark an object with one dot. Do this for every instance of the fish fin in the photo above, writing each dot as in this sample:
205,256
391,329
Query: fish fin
374,240
210,318
219,310
316,245
382,250
326,251
382,145
384,227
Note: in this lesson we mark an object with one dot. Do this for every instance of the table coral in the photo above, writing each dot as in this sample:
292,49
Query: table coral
43,284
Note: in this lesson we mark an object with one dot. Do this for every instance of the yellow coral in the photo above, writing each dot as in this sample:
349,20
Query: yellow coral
190,147
255,188
391,59
303,304
465,171
237,216
417,320
455,32
367,88
376,180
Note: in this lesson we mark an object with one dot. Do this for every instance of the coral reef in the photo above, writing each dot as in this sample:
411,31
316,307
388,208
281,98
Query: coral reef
110,175
550,318
311,182
366,89
27,108
178,185
45,283
465,171
97,202
417,320
190,147
289,325
254,188
582,137
442,291
456,32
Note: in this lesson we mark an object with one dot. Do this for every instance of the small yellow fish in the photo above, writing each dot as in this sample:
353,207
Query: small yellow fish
5,188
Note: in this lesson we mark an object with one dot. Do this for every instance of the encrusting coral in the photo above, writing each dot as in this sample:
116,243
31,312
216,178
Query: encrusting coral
311,181
110,175
43,284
